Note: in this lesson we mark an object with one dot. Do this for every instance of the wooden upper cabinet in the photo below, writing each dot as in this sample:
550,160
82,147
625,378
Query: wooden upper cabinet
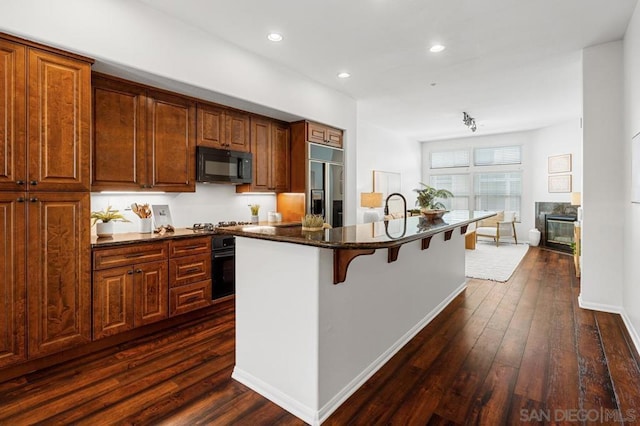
59,274
281,156
319,133
12,278
171,140
270,146
211,126
223,128
119,130
237,130
13,131
143,139
261,149
59,116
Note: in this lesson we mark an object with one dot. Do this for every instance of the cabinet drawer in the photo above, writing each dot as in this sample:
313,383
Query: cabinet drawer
190,246
122,256
189,269
189,297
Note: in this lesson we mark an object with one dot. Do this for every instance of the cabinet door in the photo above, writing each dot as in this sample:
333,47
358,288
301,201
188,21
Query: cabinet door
334,137
211,126
151,292
12,278
281,161
59,111
316,133
261,149
112,301
13,167
119,128
171,123
59,275
237,131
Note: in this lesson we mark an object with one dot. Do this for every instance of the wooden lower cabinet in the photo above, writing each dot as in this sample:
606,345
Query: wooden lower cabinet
58,272
189,275
130,287
139,284
128,297
12,278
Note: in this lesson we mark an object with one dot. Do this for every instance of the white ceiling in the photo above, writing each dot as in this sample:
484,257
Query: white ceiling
511,64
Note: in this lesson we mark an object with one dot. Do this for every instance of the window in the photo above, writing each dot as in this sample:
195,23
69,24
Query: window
442,160
498,191
497,156
458,185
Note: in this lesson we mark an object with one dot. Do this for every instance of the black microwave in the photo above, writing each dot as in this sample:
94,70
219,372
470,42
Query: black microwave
223,166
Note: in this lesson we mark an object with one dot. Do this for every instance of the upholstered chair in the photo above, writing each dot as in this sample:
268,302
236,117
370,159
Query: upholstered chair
502,225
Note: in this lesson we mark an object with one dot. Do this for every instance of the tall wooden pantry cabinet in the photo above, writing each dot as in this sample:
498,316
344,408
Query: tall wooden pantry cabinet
44,200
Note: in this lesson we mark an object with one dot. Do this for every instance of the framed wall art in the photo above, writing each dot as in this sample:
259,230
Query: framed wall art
560,163
560,183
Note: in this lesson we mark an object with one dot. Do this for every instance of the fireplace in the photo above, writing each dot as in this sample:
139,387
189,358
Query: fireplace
555,223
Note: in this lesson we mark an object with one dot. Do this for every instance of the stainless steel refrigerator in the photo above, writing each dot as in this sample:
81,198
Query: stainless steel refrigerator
325,182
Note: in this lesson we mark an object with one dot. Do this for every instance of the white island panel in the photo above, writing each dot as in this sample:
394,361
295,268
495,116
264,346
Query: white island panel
306,343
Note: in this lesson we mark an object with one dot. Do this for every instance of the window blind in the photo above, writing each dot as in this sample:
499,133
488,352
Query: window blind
497,156
458,184
445,159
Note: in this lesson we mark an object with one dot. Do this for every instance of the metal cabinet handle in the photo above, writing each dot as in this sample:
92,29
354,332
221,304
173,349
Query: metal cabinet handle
129,272
192,270
33,182
20,200
138,271
33,199
20,182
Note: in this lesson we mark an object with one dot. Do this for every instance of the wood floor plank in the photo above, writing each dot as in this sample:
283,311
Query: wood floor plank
494,395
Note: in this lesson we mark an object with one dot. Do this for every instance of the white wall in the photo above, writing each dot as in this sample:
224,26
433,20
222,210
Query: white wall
129,34
631,216
383,150
537,146
603,198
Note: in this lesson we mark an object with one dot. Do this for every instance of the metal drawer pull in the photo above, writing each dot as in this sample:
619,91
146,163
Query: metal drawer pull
193,247
188,271
129,256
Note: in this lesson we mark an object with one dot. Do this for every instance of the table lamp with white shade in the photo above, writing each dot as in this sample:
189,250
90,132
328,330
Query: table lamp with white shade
371,200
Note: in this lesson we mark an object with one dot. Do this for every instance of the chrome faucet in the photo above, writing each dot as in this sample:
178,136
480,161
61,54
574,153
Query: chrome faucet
386,203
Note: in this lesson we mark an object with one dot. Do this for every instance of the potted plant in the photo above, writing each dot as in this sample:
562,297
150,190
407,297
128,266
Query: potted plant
106,217
255,209
428,201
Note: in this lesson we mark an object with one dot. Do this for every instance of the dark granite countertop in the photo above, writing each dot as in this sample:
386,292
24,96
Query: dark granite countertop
364,236
126,238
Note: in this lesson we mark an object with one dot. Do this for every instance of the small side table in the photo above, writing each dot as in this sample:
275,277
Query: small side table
470,240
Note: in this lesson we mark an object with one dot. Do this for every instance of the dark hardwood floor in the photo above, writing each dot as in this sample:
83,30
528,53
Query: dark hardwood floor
520,352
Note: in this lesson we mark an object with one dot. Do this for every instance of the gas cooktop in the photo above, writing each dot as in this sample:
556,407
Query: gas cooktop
211,227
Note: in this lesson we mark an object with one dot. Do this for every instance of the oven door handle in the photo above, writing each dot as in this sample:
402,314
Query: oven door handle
221,255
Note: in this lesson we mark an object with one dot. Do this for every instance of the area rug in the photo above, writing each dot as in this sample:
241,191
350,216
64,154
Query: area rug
489,262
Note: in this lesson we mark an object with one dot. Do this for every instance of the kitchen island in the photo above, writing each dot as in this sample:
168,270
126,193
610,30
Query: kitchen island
317,313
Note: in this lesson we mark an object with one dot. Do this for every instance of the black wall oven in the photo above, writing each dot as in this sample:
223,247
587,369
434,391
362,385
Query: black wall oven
223,265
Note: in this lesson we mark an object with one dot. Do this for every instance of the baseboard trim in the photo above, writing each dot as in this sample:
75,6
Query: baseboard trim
315,418
301,411
635,336
613,309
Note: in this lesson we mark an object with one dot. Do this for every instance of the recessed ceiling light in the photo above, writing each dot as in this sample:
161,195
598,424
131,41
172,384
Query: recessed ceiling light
274,37
344,75
437,48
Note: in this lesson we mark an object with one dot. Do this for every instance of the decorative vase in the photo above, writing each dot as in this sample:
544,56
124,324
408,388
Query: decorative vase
146,225
104,229
255,218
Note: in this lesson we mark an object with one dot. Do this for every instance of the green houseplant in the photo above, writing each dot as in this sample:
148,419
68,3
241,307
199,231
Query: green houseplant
428,200
106,218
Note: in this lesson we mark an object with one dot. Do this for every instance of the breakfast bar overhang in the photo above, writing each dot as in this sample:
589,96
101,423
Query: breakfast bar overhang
318,313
